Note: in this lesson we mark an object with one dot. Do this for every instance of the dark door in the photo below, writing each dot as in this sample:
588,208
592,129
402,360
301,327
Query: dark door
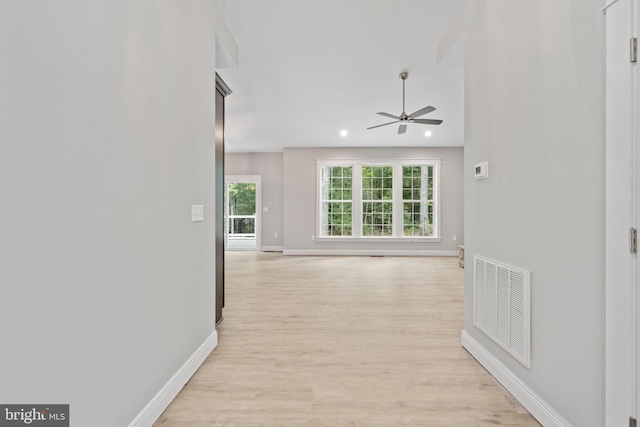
221,91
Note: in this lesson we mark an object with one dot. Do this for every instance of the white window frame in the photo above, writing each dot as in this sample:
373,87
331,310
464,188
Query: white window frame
320,200
246,179
356,191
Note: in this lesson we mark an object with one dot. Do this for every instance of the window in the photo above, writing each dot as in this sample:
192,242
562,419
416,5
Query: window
417,200
336,201
241,199
372,199
377,200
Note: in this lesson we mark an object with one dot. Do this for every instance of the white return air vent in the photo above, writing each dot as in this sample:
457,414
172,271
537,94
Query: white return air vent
501,306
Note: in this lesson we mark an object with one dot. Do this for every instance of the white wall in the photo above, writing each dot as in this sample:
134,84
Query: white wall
106,139
269,166
534,95
300,197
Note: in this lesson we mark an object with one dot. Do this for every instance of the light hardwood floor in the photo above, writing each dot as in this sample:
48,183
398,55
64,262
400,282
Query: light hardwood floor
342,341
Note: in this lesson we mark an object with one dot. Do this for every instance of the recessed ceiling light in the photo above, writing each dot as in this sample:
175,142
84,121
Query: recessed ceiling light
343,133
428,133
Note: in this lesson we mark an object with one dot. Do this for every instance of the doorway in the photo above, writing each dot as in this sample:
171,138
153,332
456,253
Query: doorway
243,205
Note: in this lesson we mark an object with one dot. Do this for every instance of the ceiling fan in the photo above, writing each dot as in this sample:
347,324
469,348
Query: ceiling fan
403,118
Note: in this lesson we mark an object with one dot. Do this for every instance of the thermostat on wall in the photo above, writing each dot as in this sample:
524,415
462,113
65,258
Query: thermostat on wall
481,170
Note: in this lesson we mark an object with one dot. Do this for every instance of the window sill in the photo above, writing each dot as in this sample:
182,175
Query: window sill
381,239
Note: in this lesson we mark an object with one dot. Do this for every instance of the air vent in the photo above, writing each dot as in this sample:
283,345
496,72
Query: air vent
501,306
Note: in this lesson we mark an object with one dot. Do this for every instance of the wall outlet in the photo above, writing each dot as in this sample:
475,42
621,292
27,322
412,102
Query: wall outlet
265,209
275,234
313,237
455,237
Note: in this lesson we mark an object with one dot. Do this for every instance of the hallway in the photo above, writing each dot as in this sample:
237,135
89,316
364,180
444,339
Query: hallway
342,341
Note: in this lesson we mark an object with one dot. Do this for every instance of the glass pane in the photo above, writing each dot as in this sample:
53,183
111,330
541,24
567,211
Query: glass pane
377,219
418,219
242,198
242,226
335,215
336,218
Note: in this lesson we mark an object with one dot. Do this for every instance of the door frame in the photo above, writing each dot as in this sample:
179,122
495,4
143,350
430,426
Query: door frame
621,189
247,179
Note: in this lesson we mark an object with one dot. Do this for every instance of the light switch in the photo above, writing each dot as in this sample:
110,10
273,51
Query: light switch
481,170
197,213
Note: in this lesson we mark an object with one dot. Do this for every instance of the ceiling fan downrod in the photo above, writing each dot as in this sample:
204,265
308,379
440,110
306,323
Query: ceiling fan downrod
404,75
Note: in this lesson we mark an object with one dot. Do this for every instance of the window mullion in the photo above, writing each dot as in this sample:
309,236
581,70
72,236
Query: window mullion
436,200
397,201
319,199
356,207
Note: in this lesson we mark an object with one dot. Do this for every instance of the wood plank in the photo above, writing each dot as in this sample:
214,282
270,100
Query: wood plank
342,341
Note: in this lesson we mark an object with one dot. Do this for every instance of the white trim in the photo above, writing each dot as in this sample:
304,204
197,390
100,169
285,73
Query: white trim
152,411
621,197
376,161
541,410
608,5
272,248
369,252
397,200
369,239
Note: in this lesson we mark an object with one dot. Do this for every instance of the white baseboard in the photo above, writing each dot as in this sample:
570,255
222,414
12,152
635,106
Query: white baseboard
272,248
541,410
368,252
170,390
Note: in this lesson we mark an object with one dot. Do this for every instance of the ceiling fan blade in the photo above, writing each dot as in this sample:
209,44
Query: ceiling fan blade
422,112
384,124
402,129
391,116
427,121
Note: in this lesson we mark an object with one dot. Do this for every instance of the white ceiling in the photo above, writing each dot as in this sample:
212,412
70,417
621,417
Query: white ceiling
309,69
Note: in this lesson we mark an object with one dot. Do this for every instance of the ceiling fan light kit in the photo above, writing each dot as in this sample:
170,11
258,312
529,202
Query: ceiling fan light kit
405,118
